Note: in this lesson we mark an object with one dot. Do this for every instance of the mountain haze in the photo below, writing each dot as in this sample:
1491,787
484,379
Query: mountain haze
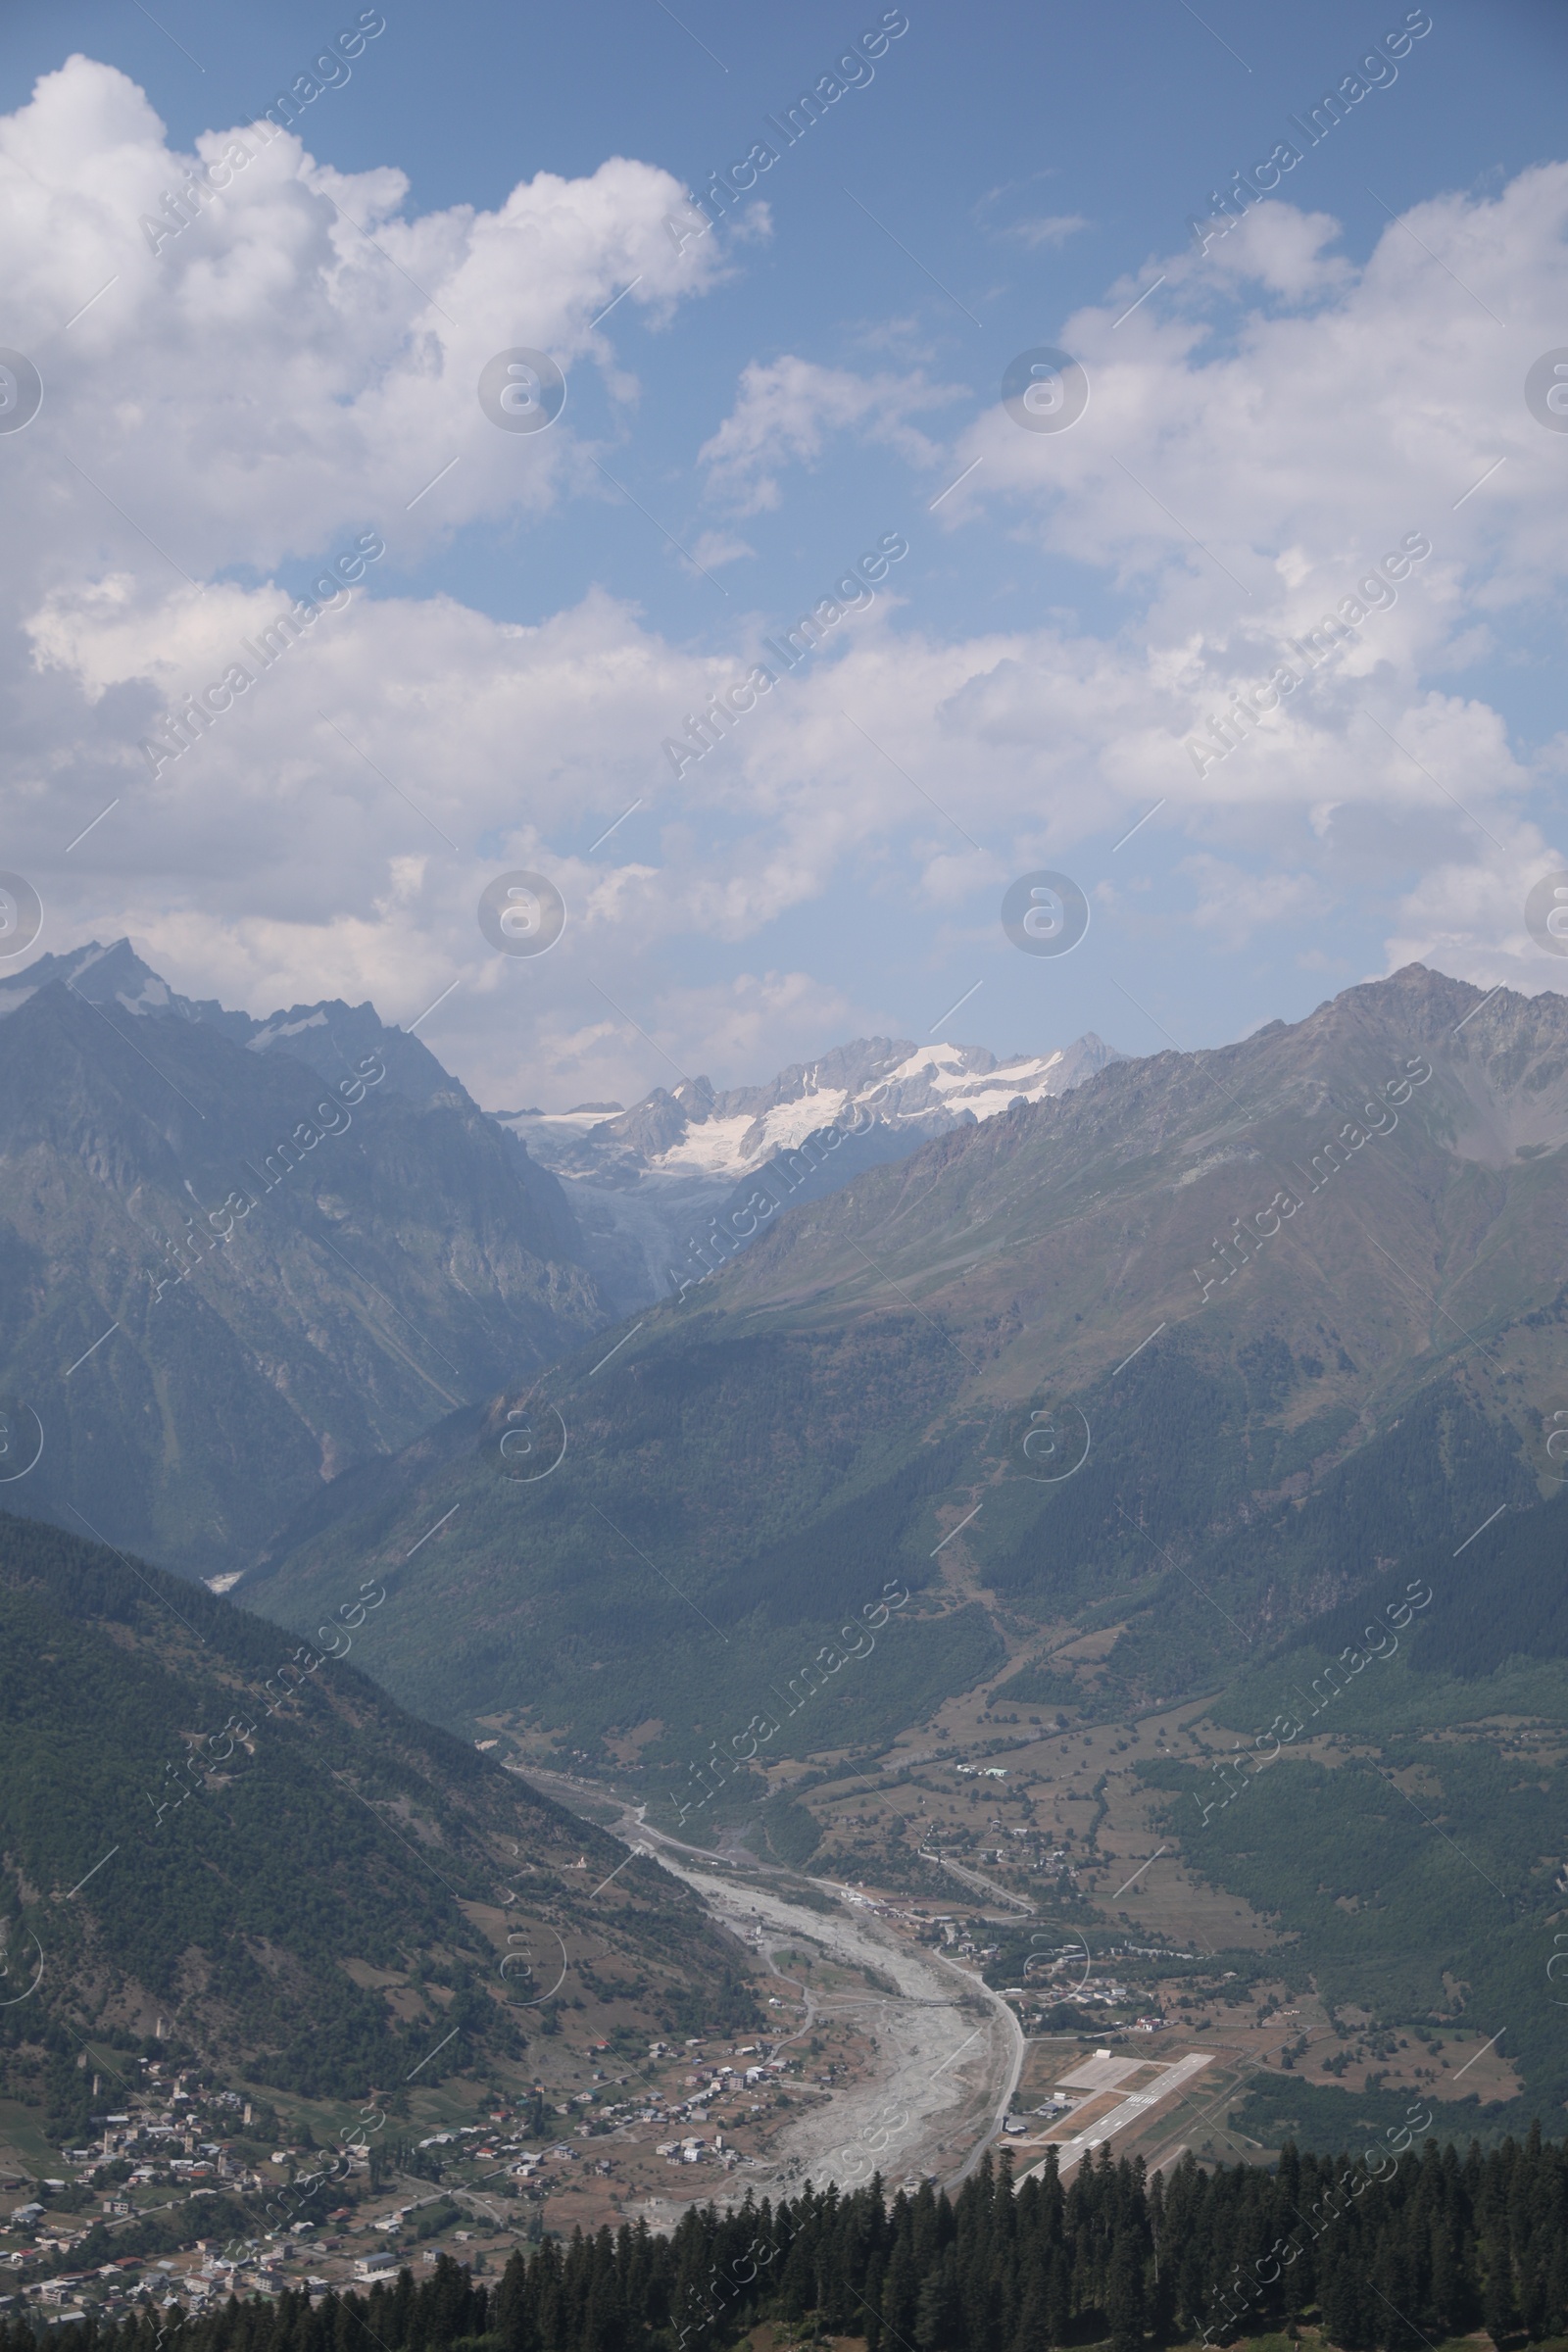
646,1183
241,1256
236,1255
1296,1355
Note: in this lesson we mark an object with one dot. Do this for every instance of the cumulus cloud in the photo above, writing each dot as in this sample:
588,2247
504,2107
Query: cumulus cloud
316,353
1278,248
273,382
1204,453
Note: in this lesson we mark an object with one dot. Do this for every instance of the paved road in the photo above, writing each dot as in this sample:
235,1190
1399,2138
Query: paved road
974,1879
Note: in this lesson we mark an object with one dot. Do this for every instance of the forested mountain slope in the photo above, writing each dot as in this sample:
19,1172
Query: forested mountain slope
213,1833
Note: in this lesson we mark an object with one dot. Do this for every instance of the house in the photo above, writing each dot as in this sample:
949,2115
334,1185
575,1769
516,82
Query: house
376,2266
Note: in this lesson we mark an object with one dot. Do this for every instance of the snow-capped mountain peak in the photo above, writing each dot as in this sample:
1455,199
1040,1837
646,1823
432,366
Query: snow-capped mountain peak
641,1181
914,1092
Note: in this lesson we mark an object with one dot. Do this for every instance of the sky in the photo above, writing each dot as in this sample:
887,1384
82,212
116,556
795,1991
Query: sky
1289,365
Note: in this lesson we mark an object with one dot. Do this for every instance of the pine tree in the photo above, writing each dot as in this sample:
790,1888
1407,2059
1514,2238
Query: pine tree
939,2324
900,2291
1497,2313
1124,2292
1059,2307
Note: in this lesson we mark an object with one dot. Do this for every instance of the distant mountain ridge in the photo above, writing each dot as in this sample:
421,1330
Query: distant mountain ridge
236,1255
331,1035
643,1179
921,1091
240,1256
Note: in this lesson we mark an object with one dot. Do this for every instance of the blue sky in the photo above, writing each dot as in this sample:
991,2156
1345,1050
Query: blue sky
812,375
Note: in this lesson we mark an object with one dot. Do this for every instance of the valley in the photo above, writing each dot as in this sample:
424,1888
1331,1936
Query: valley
783,1180
928,1692
937,2059
1144,1951
1063,1520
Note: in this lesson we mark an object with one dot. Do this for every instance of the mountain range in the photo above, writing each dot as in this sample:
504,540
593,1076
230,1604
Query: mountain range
1125,1395
644,1183
1189,1350
238,1255
1130,1405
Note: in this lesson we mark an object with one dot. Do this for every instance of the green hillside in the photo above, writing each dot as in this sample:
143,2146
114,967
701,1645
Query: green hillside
1416,1862
205,1835
746,1468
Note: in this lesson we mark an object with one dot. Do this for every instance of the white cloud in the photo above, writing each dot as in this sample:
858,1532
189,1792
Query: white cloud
271,384
1278,248
1049,230
788,410
272,377
714,549
298,849
1367,408
1034,231
1467,917
291,853
755,1021
1234,904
